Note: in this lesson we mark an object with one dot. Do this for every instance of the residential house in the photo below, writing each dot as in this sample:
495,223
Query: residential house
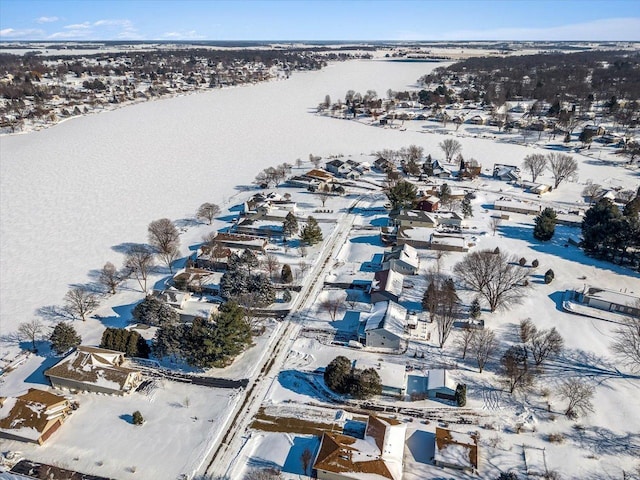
469,169
517,207
611,300
304,182
186,305
385,326
451,219
448,242
378,456
428,203
174,298
33,416
414,218
477,120
393,376
343,169
387,285
508,173
242,242
440,170
456,450
198,280
402,259
257,227
94,369
440,385
320,175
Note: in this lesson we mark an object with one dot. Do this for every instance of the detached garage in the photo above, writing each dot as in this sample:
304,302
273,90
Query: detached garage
440,386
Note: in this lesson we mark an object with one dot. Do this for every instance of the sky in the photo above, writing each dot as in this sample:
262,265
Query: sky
349,20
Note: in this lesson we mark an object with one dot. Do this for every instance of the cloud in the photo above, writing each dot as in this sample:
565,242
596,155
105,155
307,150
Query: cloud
78,26
28,33
189,35
47,19
82,34
614,29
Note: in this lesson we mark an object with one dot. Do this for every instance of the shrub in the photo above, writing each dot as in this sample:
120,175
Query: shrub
497,250
555,438
522,262
286,275
286,296
549,276
535,263
137,418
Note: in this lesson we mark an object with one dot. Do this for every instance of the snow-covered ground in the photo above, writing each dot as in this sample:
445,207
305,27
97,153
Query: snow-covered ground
72,194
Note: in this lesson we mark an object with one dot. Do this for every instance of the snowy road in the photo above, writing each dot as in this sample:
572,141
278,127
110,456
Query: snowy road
224,458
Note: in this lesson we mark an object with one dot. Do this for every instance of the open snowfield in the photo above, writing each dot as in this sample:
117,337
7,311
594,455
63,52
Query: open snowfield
71,194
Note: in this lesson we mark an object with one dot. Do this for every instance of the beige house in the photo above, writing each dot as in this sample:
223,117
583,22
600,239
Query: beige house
33,416
93,369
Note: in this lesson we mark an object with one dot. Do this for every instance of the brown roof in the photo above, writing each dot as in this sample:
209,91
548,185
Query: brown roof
32,410
336,455
444,438
91,365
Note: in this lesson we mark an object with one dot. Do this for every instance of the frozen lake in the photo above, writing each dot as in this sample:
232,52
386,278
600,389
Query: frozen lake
71,192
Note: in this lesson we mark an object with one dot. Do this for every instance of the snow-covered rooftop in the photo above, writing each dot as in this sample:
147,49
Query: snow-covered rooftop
387,315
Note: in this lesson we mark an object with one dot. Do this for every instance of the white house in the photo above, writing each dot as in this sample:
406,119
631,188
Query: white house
402,259
393,376
611,300
387,285
385,326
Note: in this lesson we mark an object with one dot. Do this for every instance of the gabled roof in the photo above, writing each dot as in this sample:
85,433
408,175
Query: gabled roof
389,316
388,281
30,415
92,365
404,252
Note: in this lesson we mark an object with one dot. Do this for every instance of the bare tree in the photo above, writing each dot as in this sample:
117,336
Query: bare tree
495,276
527,330
546,343
483,345
271,264
494,225
332,306
562,167
627,343
250,302
165,238
578,395
591,191
303,267
515,369
110,277
536,163
80,301
323,196
208,211
446,310
31,330
450,148
464,339
139,261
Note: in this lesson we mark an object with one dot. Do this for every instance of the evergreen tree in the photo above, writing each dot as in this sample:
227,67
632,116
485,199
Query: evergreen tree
152,311
444,194
263,288
249,260
475,311
402,195
290,225
467,209
127,341
311,233
461,394
545,225
64,337
430,299
549,276
337,373
427,166
286,275
286,296
365,384
137,418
